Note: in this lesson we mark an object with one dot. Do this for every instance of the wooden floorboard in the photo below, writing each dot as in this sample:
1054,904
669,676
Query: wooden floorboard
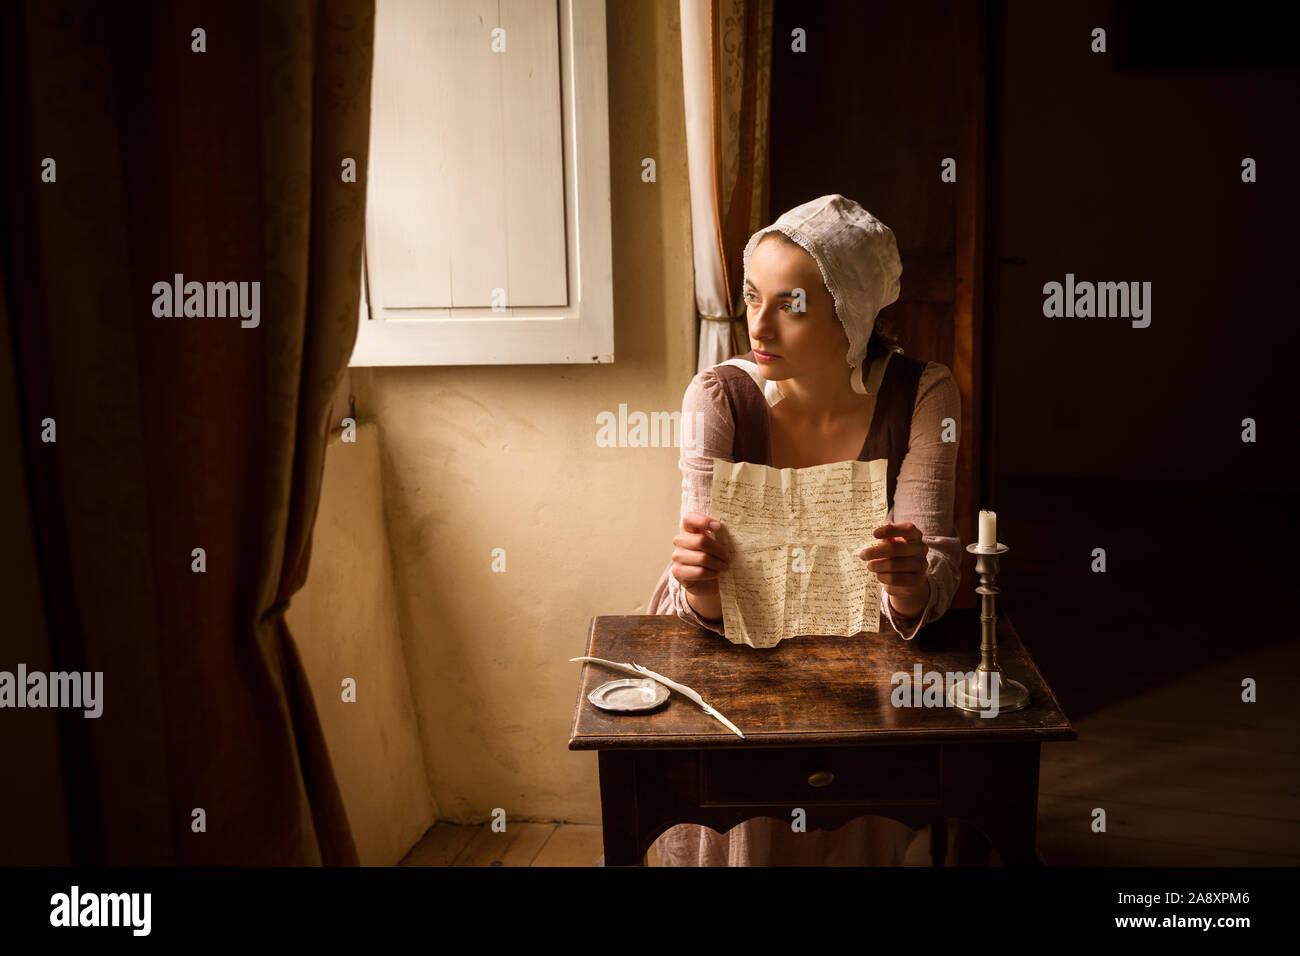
1070,849
1160,824
572,844
440,845
517,845
523,844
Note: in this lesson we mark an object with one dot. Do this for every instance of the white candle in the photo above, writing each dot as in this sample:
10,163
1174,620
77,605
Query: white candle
988,529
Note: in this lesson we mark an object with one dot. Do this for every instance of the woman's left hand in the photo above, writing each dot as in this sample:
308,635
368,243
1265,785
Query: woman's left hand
899,562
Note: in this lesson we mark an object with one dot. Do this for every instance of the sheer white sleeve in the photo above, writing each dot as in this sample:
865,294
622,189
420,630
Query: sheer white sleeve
926,491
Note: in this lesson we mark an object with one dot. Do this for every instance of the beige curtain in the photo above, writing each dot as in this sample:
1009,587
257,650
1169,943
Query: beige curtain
180,433
727,73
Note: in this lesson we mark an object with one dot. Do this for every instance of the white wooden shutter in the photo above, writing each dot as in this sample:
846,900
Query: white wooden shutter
488,214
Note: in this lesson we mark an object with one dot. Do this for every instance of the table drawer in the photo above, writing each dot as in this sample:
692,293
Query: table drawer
820,775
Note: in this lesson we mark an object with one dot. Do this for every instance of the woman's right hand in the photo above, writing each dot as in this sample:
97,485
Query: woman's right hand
697,555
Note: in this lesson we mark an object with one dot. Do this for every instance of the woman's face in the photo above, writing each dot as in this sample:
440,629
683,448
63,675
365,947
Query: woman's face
805,344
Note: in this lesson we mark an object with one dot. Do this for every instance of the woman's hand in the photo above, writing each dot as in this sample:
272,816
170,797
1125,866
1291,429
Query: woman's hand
697,555
899,562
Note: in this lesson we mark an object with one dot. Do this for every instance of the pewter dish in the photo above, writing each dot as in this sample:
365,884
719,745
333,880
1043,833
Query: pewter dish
629,695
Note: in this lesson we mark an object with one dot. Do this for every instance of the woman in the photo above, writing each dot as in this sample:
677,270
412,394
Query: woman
789,404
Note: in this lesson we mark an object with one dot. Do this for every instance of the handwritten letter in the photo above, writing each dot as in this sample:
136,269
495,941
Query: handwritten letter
794,535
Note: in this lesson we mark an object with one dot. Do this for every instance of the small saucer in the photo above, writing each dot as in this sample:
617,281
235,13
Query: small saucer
629,695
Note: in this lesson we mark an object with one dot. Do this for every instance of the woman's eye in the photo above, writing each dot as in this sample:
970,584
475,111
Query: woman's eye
752,299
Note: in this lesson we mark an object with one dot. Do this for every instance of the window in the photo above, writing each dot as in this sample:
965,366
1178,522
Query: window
488,213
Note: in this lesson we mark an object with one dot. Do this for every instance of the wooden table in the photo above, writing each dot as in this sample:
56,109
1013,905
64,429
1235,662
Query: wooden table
812,707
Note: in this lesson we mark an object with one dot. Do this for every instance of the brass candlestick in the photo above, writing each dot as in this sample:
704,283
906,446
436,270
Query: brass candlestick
988,686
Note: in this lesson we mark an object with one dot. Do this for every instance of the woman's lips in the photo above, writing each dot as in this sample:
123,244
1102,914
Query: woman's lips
764,356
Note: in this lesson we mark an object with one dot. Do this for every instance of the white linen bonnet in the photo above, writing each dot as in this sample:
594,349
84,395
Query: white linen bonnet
858,258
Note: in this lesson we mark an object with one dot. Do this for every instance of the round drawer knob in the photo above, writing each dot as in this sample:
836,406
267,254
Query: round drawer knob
822,778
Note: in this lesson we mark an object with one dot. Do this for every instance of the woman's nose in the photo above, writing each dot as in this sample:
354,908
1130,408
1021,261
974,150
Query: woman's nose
762,323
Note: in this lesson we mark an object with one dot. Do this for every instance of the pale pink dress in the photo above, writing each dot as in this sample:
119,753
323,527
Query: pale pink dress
923,496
